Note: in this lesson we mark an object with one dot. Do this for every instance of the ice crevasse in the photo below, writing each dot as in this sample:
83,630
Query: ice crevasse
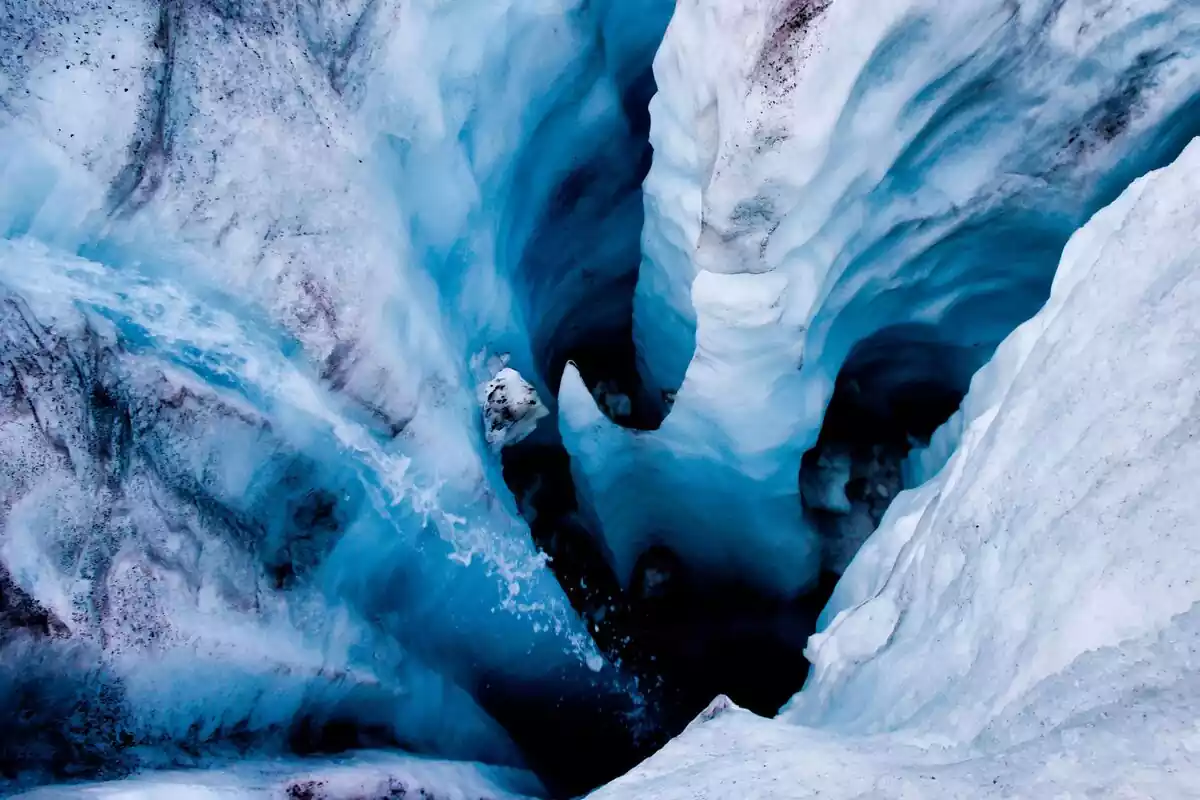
280,282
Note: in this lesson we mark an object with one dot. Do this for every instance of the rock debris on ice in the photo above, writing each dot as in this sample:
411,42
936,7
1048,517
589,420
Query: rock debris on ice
511,408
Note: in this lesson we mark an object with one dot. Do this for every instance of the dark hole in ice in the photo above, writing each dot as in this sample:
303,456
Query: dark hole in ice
695,638
680,639
578,271
685,642
313,734
900,385
895,389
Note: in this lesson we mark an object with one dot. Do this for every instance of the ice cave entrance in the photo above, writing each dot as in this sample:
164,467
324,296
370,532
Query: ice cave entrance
895,389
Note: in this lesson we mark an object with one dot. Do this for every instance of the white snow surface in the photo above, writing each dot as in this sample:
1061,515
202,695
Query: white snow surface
828,171
365,774
1024,624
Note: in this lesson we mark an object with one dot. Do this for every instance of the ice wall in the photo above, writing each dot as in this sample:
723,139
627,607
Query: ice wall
253,256
829,171
577,188
1024,623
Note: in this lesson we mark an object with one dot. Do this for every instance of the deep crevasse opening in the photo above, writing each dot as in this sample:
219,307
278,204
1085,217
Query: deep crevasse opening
896,388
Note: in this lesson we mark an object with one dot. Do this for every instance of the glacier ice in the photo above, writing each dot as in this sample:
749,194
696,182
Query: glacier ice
267,269
251,256
172,480
832,179
1023,623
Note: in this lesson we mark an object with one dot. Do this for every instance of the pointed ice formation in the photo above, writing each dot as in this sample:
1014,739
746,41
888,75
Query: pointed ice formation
710,483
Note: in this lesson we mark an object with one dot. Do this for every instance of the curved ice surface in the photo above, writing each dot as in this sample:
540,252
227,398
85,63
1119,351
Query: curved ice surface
829,171
1025,623
195,506
251,253
1062,496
